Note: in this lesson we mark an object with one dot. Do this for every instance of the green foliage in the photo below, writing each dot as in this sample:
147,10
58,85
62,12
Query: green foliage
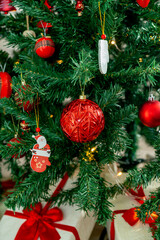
71,71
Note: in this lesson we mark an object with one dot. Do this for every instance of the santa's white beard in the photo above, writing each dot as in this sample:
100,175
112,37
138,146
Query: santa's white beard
42,142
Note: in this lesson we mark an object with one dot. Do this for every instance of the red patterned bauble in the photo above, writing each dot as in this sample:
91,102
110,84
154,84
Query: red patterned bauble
82,120
79,7
6,7
143,3
149,113
5,85
45,47
15,140
27,106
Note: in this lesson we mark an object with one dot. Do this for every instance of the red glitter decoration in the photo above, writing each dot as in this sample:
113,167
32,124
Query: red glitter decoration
143,3
15,140
24,126
149,113
6,7
82,120
45,47
27,106
5,85
79,7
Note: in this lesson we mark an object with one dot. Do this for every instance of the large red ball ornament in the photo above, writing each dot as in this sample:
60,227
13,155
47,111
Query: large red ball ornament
45,47
149,113
5,85
143,3
15,140
6,7
27,106
82,120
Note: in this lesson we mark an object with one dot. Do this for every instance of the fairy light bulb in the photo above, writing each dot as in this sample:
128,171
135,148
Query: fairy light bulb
93,149
113,42
119,174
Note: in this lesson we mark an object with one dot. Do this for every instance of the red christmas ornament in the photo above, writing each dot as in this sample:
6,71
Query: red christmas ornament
45,47
79,7
82,120
5,85
27,106
40,154
15,140
149,113
6,7
143,3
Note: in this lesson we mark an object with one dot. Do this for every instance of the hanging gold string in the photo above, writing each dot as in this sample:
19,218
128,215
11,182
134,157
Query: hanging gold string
102,21
37,113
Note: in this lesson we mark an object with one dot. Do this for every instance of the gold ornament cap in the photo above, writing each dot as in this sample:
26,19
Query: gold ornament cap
82,97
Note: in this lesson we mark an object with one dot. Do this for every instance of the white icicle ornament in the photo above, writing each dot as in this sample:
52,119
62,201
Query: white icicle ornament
103,55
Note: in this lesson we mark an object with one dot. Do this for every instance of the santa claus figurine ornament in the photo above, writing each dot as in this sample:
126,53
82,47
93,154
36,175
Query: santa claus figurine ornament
40,154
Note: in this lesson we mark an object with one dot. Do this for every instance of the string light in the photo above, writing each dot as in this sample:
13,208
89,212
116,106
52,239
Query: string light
93,149
119,174
89,154
59,61
113,42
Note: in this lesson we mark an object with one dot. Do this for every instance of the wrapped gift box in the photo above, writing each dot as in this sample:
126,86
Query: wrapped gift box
84,224
123,231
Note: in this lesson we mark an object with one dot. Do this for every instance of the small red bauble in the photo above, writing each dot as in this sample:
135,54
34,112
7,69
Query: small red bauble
143,3
45,47
79,7
149,113
15,140
82,120
38,129
5,6
103,36
27,106
5,85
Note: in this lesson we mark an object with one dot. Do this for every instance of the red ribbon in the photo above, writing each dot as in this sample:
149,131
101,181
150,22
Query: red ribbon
42,222
130,215
7,184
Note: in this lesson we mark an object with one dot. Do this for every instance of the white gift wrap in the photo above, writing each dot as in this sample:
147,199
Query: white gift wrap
103,55
84,224
123,231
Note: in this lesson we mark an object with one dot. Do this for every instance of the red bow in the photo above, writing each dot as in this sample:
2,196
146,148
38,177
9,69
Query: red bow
130,215
42,222
38,224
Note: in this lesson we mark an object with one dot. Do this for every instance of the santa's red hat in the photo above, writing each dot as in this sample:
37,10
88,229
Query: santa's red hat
36,137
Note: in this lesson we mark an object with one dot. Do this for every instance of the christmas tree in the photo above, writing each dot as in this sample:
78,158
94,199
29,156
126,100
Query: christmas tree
96,128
